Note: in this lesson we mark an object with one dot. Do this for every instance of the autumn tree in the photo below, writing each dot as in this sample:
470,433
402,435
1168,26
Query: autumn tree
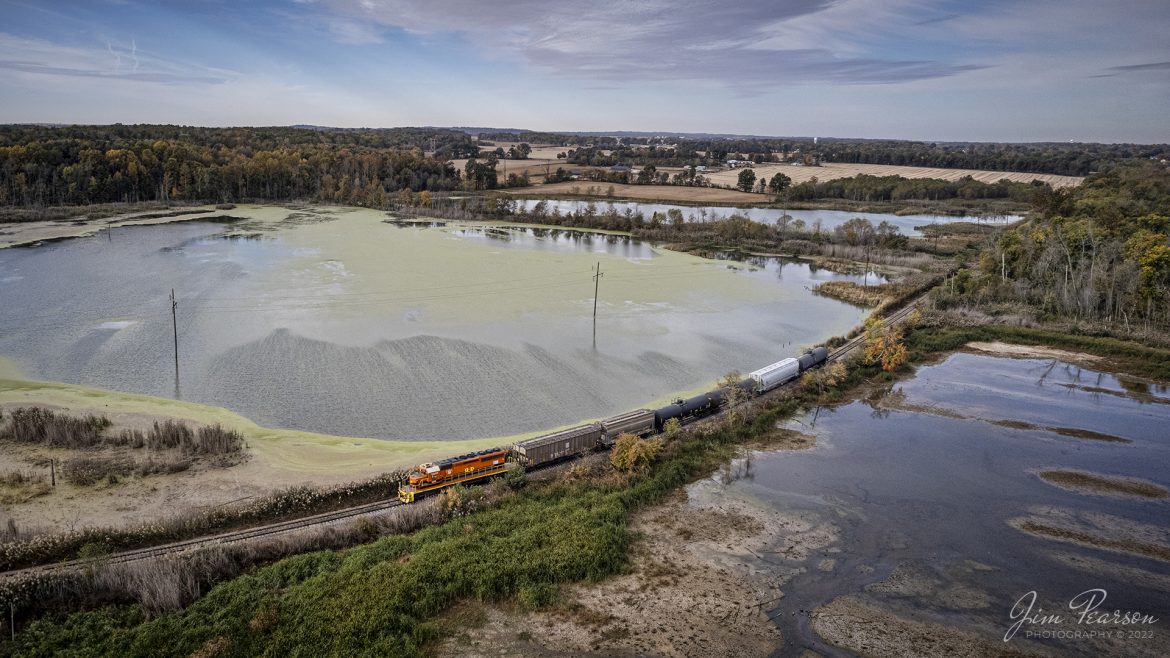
633,454
883,344
827,376
729,386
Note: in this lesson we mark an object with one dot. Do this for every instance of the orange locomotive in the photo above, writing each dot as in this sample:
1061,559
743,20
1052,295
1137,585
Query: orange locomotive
453,470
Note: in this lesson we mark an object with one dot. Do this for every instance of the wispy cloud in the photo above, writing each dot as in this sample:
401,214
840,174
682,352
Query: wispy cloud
1151,66
42,57
354,33
737,45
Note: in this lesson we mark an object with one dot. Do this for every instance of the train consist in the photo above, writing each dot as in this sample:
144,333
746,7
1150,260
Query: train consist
549,448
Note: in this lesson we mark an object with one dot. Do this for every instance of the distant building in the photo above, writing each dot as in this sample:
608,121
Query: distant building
620,169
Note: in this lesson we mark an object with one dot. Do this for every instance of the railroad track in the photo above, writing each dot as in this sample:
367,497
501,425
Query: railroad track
327,518
272,529
856,341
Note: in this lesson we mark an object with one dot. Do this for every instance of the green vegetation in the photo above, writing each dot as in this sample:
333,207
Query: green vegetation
896,188
1070,159
382,598
1099,252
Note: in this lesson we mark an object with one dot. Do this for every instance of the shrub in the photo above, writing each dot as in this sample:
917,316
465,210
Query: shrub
37,425
632,454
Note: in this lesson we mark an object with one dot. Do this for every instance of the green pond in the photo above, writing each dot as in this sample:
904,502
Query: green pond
344,321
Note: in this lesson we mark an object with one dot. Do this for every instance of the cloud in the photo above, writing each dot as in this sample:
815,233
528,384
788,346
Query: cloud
737,44
41,57
1151,66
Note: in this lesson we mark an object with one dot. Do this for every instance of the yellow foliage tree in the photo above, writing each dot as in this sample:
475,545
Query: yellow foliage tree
632,454
884,345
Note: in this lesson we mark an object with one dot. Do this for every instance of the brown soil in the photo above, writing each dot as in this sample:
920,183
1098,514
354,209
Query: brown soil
1033,351
1097,530
133,500
870,630
695,588
1093,483
1073,432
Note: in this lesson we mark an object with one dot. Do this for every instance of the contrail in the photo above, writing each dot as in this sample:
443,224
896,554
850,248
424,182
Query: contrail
117,57
134,53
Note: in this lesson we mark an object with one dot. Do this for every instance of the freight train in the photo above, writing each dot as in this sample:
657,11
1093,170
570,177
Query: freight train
543,450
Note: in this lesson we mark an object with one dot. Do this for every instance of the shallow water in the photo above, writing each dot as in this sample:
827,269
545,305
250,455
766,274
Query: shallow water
336,321
932,494
829,219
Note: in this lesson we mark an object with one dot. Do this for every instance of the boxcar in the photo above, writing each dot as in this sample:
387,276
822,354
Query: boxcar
551,447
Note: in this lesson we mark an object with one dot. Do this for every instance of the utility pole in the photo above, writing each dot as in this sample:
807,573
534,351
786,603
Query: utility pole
596,281
175,329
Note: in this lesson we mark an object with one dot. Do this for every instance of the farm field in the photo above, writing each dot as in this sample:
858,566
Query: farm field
541,161
645,192
834,170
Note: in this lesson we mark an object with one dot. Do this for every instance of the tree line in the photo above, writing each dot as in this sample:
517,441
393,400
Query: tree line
1069,159
896,188
77,165
1098,251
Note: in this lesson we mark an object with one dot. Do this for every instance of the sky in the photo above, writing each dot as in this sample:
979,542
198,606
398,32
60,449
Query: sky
992,70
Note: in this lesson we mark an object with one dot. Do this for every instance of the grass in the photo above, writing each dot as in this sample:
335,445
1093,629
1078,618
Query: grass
42,426
288,503
1129,356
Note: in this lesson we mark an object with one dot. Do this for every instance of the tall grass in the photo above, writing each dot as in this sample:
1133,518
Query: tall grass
27,551
37,425
43,426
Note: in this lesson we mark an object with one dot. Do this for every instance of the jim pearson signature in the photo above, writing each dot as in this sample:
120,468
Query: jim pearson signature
1084,607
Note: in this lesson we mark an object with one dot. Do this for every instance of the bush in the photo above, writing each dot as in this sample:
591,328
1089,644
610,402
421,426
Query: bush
85,471
516,479
632,454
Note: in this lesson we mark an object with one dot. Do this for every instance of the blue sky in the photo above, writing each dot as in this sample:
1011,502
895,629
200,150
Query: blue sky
1022,70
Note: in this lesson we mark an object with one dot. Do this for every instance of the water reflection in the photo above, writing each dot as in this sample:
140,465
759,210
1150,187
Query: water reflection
827,220
349,325
918,482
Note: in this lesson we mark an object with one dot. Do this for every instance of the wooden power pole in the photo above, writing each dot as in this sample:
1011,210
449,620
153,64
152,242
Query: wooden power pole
175,330
596,281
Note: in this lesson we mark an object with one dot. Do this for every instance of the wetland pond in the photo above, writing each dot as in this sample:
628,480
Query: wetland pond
828,219
945,498
338,321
